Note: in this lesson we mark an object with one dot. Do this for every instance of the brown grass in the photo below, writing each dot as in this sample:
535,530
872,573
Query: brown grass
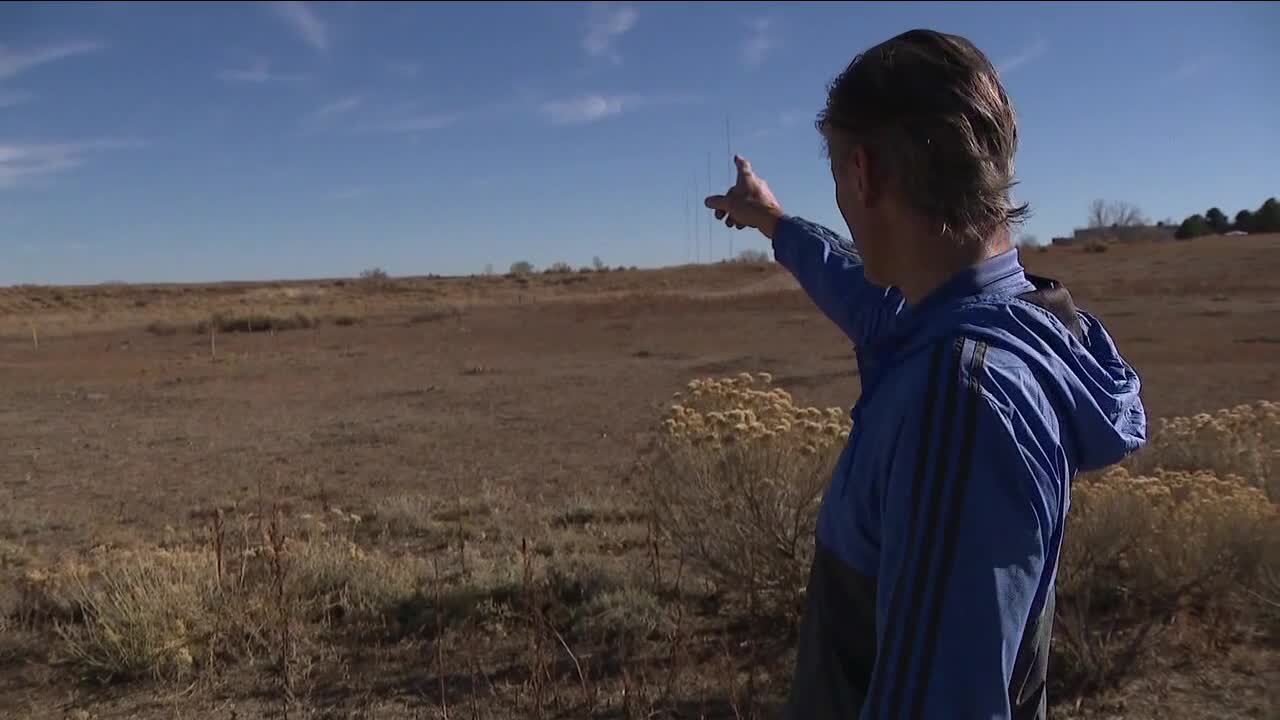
163,328
256,322
435,314
504,564
730,487
346,320
245,323
171,614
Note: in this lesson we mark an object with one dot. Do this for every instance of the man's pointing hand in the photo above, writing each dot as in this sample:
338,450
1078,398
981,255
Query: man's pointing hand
749,203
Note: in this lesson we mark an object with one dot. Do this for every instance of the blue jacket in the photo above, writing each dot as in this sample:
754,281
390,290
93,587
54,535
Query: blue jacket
932,589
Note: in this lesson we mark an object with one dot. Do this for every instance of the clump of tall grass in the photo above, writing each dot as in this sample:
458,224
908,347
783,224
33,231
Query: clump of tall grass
259,589
164,613
245,323
255,322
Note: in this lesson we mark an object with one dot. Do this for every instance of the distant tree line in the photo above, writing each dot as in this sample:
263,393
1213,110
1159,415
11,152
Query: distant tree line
1266,219
560,267
1115,214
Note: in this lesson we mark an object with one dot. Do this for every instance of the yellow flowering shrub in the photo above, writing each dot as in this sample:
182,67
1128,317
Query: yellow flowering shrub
1166,531
1242,440
735,480
1139,548
746,408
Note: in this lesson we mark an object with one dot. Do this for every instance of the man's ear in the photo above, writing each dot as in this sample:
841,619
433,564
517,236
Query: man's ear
858,166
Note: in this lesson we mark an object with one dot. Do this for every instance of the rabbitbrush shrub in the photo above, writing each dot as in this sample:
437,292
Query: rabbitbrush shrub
735,480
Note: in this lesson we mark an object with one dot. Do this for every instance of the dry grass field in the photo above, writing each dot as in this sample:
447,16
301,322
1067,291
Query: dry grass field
456,497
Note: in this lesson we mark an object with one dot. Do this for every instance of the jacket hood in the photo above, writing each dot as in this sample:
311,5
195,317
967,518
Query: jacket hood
1095,392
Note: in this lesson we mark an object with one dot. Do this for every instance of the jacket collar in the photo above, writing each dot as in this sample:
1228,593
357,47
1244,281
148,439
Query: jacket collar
998,276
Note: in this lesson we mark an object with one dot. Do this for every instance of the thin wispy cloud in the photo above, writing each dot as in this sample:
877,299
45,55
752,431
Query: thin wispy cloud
52,248
1192,68
257,72
785,120
355,114
606,23
404,119
350,193
25,163
760,40
415,123
1033,50
14,61
792,118
337,107
582,110
590,108
303,20
11,98
406,70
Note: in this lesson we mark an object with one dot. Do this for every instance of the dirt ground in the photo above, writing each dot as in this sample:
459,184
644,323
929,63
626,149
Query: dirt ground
120,422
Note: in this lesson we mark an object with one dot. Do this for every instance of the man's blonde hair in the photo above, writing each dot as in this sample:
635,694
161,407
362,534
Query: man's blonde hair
935,121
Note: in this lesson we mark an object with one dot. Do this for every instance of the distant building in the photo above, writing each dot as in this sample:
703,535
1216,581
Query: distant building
1063,240
1124,233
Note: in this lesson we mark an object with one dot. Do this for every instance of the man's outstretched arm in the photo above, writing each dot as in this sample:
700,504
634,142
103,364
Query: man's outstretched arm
826,265
970,512
829,269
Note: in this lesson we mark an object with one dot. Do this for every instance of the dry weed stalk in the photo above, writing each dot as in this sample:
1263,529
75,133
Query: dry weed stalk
655,553
676,636
535,654
461,531
279,572
219,544
733,679
438,604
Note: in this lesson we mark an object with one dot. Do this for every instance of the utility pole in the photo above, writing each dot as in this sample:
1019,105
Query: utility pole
697,226
710,252
728,147
688,209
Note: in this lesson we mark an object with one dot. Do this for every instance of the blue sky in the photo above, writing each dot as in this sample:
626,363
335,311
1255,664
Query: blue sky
153,142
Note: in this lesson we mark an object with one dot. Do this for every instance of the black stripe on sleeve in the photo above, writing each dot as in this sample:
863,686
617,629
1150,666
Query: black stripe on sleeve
924,504
952,522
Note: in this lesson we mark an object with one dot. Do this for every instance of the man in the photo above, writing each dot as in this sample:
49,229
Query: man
984,391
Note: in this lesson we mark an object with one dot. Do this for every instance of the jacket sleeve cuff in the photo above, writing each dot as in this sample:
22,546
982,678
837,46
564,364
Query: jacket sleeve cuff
787,237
